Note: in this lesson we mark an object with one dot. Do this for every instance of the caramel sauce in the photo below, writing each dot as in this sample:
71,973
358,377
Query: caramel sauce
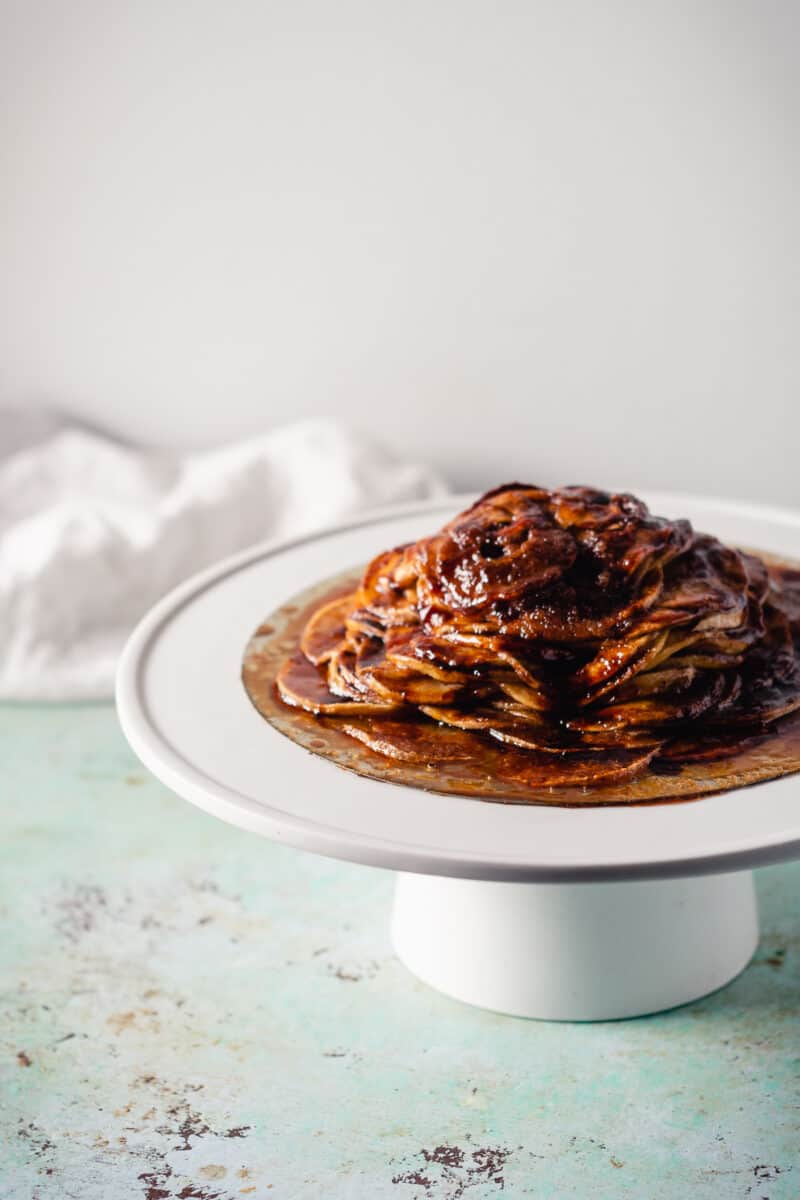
447,760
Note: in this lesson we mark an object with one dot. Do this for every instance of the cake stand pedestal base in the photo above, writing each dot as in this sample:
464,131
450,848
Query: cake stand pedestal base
576,951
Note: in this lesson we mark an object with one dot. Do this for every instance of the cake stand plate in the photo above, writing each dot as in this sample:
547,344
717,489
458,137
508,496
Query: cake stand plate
539,911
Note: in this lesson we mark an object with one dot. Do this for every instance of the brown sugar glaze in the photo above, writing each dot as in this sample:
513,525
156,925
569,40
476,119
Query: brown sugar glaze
404,745
492,774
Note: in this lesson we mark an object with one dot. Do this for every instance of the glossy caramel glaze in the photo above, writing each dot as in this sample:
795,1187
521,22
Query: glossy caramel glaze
545,647
498,772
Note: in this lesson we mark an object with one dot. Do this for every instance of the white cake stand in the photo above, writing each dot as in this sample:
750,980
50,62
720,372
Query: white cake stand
564,914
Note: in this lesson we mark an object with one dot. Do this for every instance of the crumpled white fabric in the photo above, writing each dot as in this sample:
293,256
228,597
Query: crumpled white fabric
93,532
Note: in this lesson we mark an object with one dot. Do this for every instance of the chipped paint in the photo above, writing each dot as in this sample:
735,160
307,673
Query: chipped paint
190,1013
452,1172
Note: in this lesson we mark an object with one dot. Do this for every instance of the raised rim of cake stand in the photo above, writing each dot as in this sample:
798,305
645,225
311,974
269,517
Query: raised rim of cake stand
666,909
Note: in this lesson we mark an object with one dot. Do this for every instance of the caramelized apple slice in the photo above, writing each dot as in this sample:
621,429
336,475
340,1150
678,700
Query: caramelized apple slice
407,741
576,770
301,685
325,630
458,718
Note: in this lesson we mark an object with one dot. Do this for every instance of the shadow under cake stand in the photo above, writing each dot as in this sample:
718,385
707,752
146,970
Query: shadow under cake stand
538,911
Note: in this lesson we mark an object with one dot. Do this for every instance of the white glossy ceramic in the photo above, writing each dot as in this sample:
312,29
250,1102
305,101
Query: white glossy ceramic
185,713
576,951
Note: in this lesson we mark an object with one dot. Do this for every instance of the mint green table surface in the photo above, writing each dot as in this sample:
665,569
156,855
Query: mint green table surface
191,1012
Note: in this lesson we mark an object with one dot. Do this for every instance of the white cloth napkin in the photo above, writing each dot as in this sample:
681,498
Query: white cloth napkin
92,531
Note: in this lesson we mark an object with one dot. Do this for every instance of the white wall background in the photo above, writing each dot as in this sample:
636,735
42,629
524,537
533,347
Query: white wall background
553,240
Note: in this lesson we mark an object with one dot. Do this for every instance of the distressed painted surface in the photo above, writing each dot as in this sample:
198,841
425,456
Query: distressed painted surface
190,1012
